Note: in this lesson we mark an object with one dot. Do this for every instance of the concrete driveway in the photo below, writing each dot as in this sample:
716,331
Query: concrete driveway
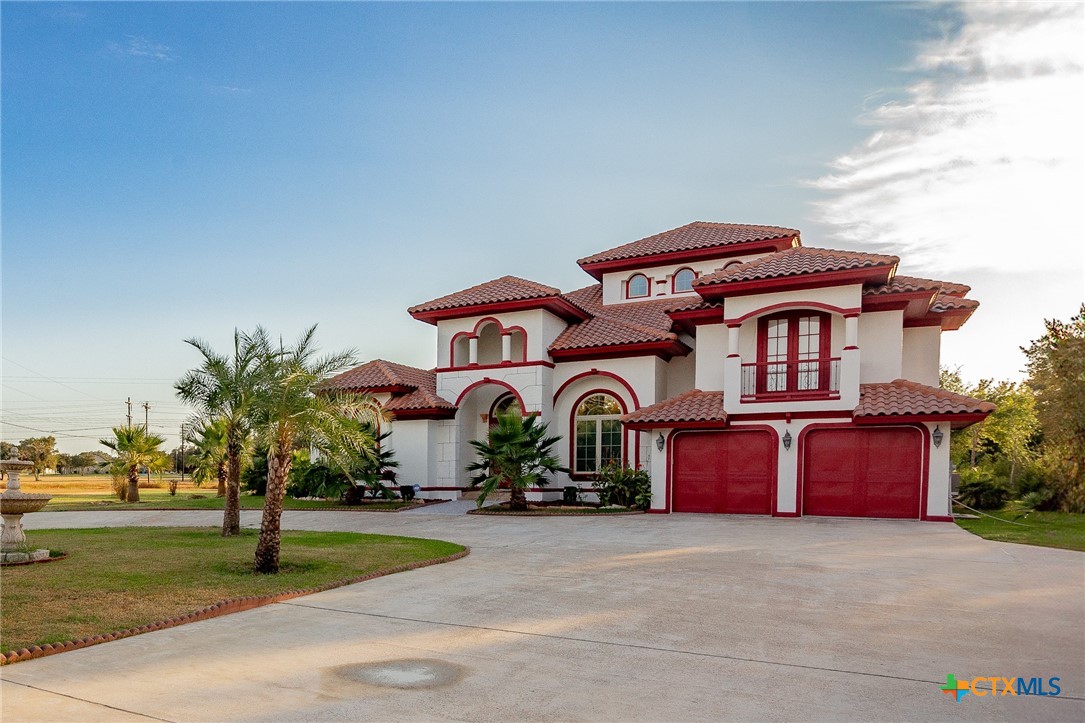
680,617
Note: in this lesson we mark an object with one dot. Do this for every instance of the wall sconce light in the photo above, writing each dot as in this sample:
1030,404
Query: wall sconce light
787,440
660,442
937,436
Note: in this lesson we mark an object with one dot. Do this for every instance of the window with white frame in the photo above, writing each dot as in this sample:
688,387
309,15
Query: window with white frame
598,433
683,280
636,286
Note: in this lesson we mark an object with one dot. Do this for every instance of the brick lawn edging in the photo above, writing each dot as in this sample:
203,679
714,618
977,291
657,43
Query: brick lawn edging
224,607
549,513
35,562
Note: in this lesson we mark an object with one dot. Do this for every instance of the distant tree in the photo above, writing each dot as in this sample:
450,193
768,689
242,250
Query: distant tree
518,451
135,447
288,409
1056,366
81,461
209,444
39,450
222,387
64,463
7,450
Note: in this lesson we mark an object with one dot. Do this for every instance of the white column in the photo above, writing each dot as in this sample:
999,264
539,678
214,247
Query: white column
506,347
851,332
472,350
732,340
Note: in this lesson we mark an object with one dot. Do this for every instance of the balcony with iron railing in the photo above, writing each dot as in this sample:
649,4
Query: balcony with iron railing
798,379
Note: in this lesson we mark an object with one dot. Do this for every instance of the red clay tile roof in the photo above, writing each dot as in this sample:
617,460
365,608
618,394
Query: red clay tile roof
692,406
945,302
633,323
413,388
951,289
507,288
696,235
900,284
903,397
796,262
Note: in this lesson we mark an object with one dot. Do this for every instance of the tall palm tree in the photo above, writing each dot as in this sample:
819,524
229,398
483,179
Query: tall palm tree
135,448
516,451
222,388
209,453
289,410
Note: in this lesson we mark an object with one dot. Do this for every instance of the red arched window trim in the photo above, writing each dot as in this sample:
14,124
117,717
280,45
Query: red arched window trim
789,370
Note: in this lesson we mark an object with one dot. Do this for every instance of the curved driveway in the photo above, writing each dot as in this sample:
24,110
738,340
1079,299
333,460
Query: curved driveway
679,617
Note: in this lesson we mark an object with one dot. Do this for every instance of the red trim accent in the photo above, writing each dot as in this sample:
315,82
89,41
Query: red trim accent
698,424
598,268
427,413
871,275
573,474
851,348
690,318
949,320
490,414
796,305
444,489
452,349
600,373
775,487
648,285
499,383
896,419
474,334
924,461
674,277
554,304
938,518
502,365
834,414
665,350
900,301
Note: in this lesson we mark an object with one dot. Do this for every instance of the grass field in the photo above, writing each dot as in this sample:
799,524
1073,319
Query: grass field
1047,529
118,578
93,492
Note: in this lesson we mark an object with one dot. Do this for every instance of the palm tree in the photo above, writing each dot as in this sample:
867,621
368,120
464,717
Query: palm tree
209,453
516,451
222,388
135,448
288,410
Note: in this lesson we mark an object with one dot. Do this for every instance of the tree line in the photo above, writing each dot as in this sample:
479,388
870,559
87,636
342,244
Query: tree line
1031,449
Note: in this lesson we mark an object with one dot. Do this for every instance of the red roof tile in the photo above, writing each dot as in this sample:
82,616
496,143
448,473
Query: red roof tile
696,235
411,388
693,406
945,302
951,289
903,397
614,324
900,284
796,262
507,288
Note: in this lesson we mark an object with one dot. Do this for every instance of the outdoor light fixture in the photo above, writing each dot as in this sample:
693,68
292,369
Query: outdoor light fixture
787,440
937,436
660,442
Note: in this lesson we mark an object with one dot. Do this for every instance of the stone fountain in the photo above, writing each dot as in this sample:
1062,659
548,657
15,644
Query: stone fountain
14,503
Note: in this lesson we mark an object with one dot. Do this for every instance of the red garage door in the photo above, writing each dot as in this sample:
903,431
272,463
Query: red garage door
731,471
863,472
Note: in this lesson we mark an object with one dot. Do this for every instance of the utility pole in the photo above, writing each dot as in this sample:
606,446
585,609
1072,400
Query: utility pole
182,452
147,429
129,403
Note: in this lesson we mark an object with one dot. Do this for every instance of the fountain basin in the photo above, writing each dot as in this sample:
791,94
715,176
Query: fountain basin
20,504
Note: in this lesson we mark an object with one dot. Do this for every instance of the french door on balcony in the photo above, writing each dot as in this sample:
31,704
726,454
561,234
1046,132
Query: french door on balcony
793,354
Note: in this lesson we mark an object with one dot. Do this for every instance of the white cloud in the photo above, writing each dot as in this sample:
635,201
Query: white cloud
980,163
138,46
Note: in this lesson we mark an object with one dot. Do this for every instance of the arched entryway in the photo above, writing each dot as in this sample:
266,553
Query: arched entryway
478,405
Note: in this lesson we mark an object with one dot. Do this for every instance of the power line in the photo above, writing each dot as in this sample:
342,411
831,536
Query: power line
66,386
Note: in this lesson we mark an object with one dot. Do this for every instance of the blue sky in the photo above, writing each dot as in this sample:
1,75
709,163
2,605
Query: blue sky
176,169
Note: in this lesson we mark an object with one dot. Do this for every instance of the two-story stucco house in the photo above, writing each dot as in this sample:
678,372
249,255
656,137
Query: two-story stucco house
746,372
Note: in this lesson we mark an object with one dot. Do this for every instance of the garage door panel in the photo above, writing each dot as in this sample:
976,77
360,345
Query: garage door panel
863,472
730,472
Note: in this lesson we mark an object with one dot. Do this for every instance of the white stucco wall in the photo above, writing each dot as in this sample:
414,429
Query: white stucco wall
842,297
710,352
922,354
660,276
881,342
542,328
415,447
938,484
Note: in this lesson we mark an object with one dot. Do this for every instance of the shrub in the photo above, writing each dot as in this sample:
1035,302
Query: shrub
625,486
981,492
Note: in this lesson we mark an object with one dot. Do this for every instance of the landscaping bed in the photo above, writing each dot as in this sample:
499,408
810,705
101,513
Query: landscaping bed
117,582
555,508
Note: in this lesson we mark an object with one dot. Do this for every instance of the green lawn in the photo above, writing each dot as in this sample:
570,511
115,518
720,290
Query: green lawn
1047,529
160,498
118,578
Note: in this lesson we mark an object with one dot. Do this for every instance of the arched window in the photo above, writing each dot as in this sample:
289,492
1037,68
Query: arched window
793,352
505,404
636,286
598,433
683,280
